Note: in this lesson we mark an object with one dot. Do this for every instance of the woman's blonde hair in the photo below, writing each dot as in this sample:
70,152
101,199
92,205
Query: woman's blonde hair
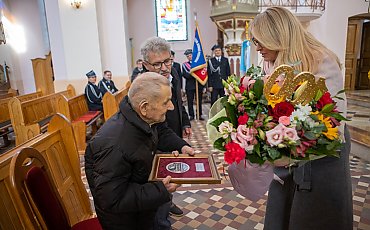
279,30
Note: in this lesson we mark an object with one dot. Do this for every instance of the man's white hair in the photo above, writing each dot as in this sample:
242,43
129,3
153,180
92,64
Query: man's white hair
154,45
147,86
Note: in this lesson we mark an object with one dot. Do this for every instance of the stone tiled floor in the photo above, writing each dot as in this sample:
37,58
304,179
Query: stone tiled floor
220,207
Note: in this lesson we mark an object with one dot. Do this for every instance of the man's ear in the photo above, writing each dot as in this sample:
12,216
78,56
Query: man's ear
145,65
143,107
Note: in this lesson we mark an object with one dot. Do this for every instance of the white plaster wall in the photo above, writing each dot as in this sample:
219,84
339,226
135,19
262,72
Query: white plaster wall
331,27
80,39
113,36
141,19
74,41
142,25
25,14
56,41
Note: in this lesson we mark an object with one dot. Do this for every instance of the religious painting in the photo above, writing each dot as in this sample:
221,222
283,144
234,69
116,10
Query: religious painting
171,20
184,169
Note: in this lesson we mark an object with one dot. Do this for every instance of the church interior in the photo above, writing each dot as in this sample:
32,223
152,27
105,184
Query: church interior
47,47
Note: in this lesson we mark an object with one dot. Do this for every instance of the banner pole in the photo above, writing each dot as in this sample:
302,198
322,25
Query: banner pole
196,81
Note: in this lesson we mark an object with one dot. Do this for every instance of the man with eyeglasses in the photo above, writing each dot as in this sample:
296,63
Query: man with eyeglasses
156,53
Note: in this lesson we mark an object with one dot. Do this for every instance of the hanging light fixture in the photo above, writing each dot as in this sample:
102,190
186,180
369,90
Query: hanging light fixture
76,4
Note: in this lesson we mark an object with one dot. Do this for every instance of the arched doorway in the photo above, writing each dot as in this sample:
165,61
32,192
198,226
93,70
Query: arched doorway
357,62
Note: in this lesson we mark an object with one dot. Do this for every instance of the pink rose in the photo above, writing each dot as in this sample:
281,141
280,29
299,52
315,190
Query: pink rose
291,134
247,83
284,120
245,136
241,108
239,97
276,135
259,120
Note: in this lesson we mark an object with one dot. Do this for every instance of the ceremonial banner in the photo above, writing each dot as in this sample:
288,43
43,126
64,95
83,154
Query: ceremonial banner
198,63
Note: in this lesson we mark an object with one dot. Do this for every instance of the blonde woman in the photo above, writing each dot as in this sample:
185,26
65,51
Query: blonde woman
316,195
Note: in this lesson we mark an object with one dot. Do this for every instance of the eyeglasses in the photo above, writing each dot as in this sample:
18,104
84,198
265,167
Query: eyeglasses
158,65
256,42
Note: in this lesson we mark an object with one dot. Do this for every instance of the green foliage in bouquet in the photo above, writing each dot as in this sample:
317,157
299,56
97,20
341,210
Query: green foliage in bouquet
262,127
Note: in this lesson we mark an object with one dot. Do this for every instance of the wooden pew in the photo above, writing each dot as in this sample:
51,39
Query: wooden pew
29,118
5,123
58,147
111,101
10,93
4,115
76,110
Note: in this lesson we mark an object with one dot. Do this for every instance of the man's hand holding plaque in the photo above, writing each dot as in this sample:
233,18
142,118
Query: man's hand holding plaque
171,187
184,150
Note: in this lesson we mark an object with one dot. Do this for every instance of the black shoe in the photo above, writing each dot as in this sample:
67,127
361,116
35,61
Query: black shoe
191,118
201,118
176,211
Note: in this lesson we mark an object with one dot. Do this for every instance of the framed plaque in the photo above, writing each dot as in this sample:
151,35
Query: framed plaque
198,169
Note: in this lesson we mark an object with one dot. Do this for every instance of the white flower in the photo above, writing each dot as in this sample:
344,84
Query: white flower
311,122
301,113
225,128
306,109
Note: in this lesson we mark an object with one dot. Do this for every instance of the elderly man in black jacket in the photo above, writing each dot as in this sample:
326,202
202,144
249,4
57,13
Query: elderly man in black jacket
118,159
156,54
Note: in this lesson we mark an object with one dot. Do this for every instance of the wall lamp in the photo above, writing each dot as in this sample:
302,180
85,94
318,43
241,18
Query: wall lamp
76,4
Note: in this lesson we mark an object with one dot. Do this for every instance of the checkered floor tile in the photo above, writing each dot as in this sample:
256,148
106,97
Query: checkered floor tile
220,207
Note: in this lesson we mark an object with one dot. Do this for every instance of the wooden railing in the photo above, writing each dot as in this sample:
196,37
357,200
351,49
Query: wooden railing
295,4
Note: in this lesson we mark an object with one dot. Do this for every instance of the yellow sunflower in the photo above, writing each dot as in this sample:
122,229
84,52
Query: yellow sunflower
274,90
332,133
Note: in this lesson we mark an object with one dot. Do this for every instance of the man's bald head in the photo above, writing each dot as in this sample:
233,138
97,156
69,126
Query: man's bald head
146,87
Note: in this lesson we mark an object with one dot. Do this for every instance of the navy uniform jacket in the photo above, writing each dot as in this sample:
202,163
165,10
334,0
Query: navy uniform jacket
105,86
217,70
136,72
93,97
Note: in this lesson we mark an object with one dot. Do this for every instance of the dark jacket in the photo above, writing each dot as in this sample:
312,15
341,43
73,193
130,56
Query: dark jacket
177,67
190,80
93,97
105,86
217,70
118,161
137,72
177,119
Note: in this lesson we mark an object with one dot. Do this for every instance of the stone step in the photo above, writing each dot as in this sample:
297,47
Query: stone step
360,137
359,98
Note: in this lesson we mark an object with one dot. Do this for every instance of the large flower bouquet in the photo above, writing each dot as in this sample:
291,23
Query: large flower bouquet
264,120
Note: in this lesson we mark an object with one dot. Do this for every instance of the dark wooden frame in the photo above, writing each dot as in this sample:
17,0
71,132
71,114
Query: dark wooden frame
215,179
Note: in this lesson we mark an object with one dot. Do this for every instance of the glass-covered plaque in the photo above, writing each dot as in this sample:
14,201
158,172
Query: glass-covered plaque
184,169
